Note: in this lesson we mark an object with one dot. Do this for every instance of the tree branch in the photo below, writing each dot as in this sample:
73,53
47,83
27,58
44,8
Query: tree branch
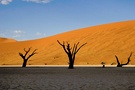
128,59
21,55
60,43
27,51
80,47
34,52
117,60
73,49
63,45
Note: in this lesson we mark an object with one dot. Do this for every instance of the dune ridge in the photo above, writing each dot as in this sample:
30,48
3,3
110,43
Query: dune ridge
103,43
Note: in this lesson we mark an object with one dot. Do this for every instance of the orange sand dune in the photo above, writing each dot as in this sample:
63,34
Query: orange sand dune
6,40
104,42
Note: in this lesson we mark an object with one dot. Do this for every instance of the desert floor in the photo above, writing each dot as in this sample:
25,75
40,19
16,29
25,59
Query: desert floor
61,78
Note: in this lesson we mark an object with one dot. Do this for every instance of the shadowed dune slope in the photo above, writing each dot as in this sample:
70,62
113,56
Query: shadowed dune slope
103,43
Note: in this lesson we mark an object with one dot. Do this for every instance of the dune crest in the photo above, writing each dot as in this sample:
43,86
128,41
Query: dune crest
103,43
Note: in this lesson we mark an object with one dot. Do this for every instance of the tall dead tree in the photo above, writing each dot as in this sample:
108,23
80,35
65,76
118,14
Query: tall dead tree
120,64
25,57
71,51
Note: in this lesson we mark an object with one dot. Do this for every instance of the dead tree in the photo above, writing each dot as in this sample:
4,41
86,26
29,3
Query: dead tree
25,57
120,64
71,52
103,63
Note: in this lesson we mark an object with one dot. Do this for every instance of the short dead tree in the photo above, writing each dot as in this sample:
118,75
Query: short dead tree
71,51
103,63
25,57
120,64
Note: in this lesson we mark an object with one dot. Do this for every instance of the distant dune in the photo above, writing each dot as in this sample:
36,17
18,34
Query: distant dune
6,40
103,43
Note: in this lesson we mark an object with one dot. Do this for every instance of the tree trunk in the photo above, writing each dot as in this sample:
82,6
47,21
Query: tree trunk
24,63
103,66
71,65
119,65
71,62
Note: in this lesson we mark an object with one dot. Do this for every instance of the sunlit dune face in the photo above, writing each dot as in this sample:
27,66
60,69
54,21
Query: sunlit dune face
103,43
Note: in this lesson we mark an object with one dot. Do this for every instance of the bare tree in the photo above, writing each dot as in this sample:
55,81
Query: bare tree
120,64
25,57
103,63
71,52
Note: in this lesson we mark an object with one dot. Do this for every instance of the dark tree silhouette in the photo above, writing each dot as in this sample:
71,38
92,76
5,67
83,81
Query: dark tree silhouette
119,64
71,52
103,63
25,57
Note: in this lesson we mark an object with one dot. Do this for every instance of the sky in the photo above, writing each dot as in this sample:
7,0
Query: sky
33,19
